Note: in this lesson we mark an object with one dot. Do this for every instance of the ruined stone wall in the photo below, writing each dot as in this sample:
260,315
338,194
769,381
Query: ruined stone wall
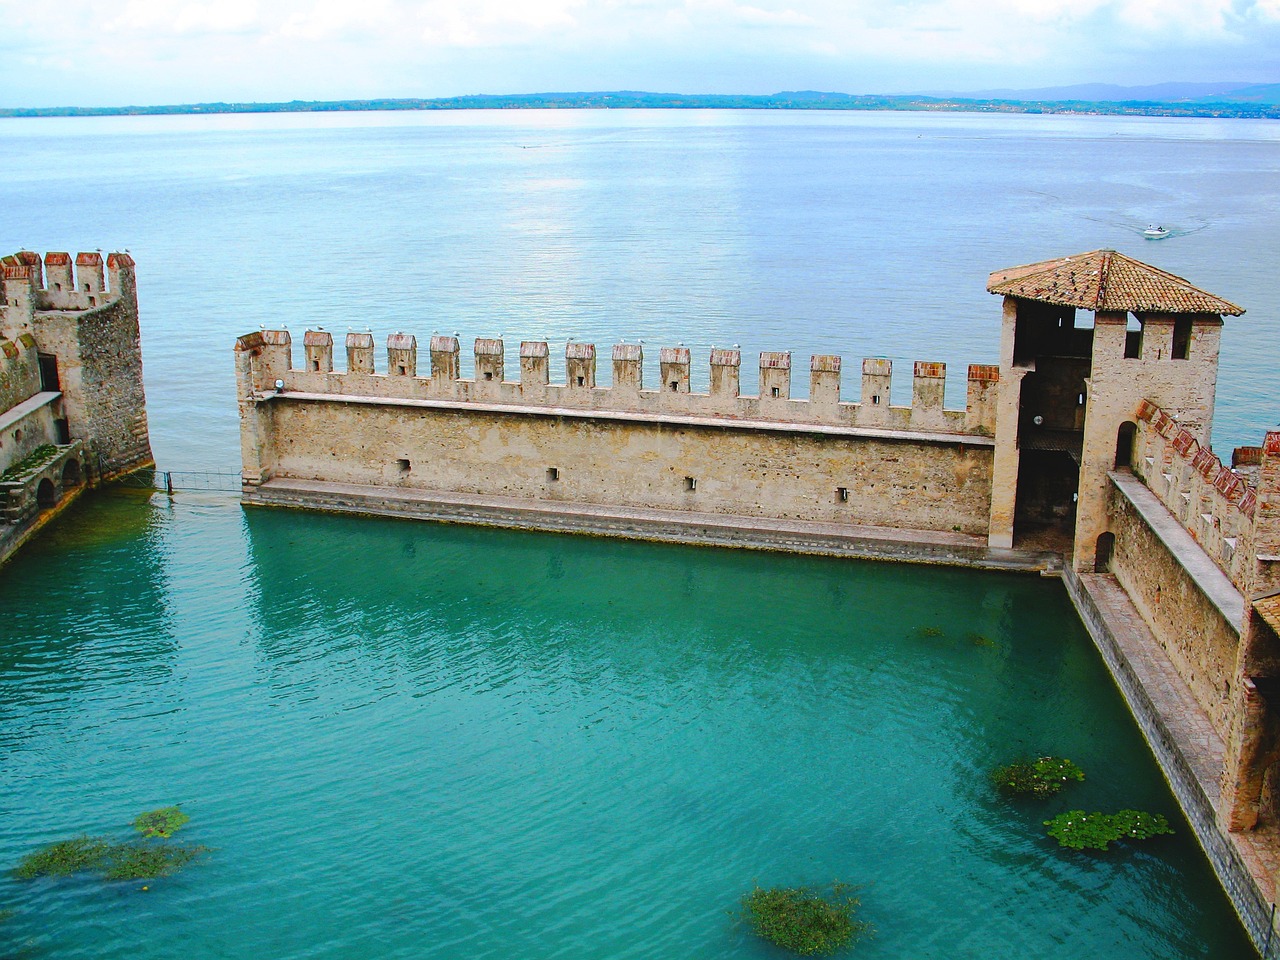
820,459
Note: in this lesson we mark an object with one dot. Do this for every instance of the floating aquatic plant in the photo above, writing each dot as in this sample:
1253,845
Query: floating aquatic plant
1038,778
803,919
1096,831
64,858
160,823
142,860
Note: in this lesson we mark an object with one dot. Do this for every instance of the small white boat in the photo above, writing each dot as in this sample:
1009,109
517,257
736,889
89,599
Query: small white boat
1155,232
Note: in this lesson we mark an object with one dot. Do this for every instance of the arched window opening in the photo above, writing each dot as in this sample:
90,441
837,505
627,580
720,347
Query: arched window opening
1102,554
1124,443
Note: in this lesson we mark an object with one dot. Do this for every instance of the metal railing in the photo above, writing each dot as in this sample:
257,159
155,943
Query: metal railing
171,481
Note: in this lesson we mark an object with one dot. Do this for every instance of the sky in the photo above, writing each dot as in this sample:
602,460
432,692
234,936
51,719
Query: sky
73,52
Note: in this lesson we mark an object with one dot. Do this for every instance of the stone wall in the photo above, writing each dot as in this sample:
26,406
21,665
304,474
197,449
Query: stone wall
99,359
821,459
725,469
1199,639
1237,526
19,371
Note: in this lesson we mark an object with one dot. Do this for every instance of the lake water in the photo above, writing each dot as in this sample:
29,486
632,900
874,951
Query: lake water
406,740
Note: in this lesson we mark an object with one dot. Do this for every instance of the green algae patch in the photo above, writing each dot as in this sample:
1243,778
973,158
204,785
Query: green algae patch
64,858
805,920
1078,830
160,823
1037,778
144,860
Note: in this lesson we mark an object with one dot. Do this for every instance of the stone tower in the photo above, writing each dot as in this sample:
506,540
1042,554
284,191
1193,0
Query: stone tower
1070,385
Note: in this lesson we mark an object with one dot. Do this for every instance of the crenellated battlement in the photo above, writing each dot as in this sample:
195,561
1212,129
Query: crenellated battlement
1235,521
274,360
30,285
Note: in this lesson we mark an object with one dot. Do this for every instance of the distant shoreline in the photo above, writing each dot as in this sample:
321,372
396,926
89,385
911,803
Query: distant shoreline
628,100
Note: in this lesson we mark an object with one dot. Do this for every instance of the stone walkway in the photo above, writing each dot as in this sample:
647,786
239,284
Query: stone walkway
1190,751
760,533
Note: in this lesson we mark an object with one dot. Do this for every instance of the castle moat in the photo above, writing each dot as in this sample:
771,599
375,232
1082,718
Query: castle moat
418,740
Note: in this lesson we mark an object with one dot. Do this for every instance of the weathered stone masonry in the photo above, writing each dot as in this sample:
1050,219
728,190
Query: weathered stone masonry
70,382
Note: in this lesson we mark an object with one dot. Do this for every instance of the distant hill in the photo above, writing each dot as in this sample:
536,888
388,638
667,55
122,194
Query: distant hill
1113,93
1161,100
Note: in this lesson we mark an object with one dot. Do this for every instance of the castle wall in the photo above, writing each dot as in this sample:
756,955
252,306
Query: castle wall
713,469
19,373
99,361
821,460
1200,639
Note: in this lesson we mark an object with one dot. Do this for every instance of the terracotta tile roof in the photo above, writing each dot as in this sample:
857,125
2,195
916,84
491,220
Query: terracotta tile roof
580,351
488,347
726,358
533,348
1269,609
364,340
88,259
317,338
52,259
824,363
673,355
1106,281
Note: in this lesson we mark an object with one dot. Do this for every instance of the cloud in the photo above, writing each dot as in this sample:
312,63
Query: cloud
149,17
151,51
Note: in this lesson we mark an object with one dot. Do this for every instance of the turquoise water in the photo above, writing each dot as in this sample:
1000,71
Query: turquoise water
860,234
429,742
422,741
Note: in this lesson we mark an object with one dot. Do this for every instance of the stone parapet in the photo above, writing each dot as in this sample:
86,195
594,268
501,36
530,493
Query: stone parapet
673,393
1236,524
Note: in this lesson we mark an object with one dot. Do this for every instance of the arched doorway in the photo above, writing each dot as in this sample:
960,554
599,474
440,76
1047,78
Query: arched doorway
71,475
46,495
1124,444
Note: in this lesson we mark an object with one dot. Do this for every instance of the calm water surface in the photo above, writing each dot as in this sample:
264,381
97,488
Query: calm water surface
863,234
428,742
408,740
